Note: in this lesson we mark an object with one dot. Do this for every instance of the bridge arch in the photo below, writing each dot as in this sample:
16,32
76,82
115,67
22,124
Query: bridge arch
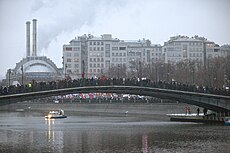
217,103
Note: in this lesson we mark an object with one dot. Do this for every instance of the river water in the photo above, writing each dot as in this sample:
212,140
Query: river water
23,132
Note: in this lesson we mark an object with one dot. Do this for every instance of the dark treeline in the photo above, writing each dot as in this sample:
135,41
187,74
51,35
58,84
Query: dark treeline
214,74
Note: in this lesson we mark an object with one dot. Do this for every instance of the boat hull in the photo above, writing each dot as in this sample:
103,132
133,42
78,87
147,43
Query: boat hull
55,117
195,118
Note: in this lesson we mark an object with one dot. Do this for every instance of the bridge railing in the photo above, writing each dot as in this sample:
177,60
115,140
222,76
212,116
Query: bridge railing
61,84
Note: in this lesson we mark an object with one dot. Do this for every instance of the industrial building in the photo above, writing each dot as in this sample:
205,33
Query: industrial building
33,67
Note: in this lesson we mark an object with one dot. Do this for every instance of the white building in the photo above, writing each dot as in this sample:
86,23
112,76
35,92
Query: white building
96,56
72,58
180,48
101,54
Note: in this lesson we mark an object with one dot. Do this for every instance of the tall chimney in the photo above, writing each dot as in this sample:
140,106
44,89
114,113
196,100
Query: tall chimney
27,38
34,37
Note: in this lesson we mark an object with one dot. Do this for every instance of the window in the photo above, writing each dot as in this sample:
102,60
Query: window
107,50
98,43
76,48
76,54
90,60
90,43
68,54
76,66
114,48
68,48
76,59
122,48
90,65
94,43
102,48
68,59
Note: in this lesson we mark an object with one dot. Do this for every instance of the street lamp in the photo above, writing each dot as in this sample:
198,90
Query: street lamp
193,76
156,72
83,69
118,71
168,72
140,70
65,69
22,73
9,72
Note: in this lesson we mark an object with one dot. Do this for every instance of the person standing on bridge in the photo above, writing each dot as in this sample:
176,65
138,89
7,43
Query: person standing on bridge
205,111
198,111
189,111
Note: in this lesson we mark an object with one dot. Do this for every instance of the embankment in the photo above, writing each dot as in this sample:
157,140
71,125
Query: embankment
115,108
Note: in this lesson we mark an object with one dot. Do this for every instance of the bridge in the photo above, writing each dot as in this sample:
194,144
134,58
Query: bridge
217,103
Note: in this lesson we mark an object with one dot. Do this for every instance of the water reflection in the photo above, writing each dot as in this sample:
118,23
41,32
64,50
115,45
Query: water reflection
89,134
145,143
54,136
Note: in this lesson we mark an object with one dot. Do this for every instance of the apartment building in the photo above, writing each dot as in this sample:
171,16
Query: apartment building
89,56
180,48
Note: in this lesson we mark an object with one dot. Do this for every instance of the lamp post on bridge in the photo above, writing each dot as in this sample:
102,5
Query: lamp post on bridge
83,73
22,73
65,70
193,76
168,72
118,71
9,72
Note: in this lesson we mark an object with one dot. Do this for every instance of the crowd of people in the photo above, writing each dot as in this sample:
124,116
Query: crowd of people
69,83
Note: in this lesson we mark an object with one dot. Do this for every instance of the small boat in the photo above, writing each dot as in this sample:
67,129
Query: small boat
227,120
56,114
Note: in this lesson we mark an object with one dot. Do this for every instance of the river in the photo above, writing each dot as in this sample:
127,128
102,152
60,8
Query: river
28,131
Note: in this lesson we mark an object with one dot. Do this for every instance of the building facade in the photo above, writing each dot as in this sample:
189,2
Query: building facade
104,54
89,56
180,48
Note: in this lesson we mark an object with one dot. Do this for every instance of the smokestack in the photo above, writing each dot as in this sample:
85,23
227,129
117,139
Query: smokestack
27,38
34,37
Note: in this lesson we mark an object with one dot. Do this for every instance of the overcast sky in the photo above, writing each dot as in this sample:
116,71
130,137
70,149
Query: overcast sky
59,21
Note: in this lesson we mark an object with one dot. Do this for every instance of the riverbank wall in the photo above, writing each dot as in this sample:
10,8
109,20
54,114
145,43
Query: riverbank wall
116,108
